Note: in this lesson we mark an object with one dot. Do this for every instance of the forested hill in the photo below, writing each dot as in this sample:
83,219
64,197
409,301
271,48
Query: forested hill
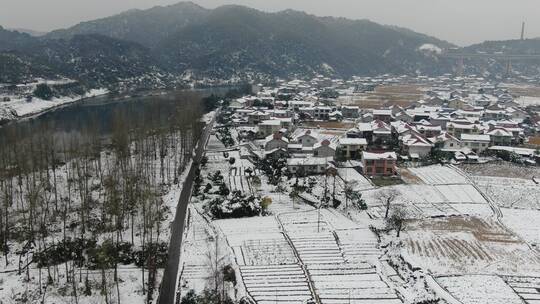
230,42
238,41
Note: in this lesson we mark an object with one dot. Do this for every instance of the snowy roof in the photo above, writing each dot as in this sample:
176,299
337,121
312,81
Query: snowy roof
382,112
520,151
475,137
364,126
415,140
375,156
271,122
499,132
309,161
345,141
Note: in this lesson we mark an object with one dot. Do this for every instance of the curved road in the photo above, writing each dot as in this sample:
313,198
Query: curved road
169,282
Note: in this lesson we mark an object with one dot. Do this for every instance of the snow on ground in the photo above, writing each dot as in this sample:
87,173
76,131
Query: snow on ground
523,222
526,101
351,283
215,144
510,192
23,107
480,289
276,284
355,179
439,175
528,288
431,200
198,239
430,47
466,245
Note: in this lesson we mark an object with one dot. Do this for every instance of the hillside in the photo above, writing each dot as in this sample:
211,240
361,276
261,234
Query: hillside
236,41
498,68
93,59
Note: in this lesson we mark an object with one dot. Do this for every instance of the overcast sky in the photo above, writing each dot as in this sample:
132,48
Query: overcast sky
458,21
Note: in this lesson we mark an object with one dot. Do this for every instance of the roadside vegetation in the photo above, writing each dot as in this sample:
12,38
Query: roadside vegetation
80,211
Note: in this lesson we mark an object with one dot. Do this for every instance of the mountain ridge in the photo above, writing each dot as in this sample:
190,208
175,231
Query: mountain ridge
230,42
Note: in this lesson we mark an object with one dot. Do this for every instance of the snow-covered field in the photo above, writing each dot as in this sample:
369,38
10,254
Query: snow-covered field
431,200
510,192
480,289
526,223
467,245
526,101
439,175
528,288
351,283
357,181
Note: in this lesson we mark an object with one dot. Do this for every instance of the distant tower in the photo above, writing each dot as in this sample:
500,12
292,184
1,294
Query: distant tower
523,31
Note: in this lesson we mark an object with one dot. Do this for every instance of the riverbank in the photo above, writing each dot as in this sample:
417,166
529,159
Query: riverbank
18,108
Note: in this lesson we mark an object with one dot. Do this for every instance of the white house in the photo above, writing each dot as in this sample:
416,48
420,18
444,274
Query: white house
478,143
350,148
306,166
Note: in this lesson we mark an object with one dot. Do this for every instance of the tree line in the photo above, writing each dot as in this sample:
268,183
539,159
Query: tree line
77,204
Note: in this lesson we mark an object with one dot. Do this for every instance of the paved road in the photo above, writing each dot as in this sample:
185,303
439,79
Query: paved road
168,284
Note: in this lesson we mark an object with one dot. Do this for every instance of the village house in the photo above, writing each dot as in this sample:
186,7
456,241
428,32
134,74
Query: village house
456,129
416,146
446,142
383,115
350,148
478,143
322,112
500,137
307,166
379,164
268,127
382,132
350,111
307,139
325,149
275,141
256,117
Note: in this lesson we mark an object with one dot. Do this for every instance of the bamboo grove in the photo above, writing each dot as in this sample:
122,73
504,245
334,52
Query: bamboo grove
79,207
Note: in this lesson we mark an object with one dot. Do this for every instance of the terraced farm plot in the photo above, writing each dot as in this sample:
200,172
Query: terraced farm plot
358,245
257,241
282,203
526,223
357,181
241,171
276,284
510,192
337,220
431,200
479,289
317,248
267,252
193,277
305,222
466,245
528,288
439,175
240,183
350,283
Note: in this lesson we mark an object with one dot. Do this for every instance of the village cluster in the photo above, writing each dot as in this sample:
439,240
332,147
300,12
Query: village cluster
317,122
311,193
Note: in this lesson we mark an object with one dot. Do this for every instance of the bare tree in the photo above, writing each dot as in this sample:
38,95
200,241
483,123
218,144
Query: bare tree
396,219
387,197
